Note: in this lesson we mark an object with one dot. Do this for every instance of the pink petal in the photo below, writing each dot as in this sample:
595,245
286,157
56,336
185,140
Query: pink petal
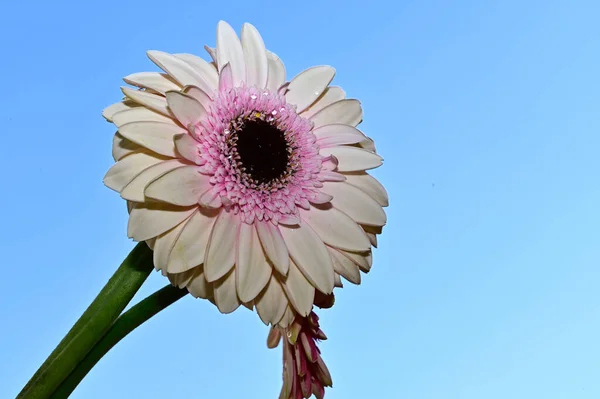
308,252
225,295
274,245
220,257
353,159
255,54
299,290
308,85
271,303
355,203
190,247
252,270
346,112
182,186
152,219
335,228
185,108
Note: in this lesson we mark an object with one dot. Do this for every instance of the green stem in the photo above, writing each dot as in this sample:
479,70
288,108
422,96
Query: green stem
92,325
128,321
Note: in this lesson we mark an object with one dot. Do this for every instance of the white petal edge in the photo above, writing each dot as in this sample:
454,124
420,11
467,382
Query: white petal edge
134,190
229,50
150,220
124,171
187,147
182,186
329,96
369,185
272,302
335,228
159,82
255,54
155,136
355,203
337,134
164,244
122,147
220,255
306,87
299,290
153,101
347,112
186,108
310,255
274,245
204,68
276,76
352,159
178,69
190,247
252,272
225,295
345,267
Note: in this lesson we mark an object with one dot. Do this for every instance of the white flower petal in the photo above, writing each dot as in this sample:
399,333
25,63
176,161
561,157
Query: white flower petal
252,270
369,185
122,147
308,85
139,114
182,186
372,238
164,244
159,82
299,290
338,281
134,190
220,256
153,101
199,287
334,135
225,78
149,220
181,280
310,255
212,51
156,136
112,109
355,203
225,295
368,144
271,303
187,147
121,173
205,69
347,112
330,95
190,247
182,72
336,228
352,159
200,95
274,245
185,108
345,267
276,76
229,50
255,54
287,319
363,261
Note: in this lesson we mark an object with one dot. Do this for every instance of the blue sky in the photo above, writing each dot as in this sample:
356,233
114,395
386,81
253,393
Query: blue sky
485,283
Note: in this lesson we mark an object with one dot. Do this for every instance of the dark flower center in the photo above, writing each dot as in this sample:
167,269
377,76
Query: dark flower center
263,150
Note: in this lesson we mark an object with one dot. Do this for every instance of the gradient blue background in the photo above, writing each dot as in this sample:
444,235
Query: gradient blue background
486,281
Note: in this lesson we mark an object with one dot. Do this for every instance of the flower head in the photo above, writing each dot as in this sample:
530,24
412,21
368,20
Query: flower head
251,190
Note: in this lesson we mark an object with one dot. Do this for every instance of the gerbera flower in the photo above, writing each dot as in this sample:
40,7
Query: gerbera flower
251,190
